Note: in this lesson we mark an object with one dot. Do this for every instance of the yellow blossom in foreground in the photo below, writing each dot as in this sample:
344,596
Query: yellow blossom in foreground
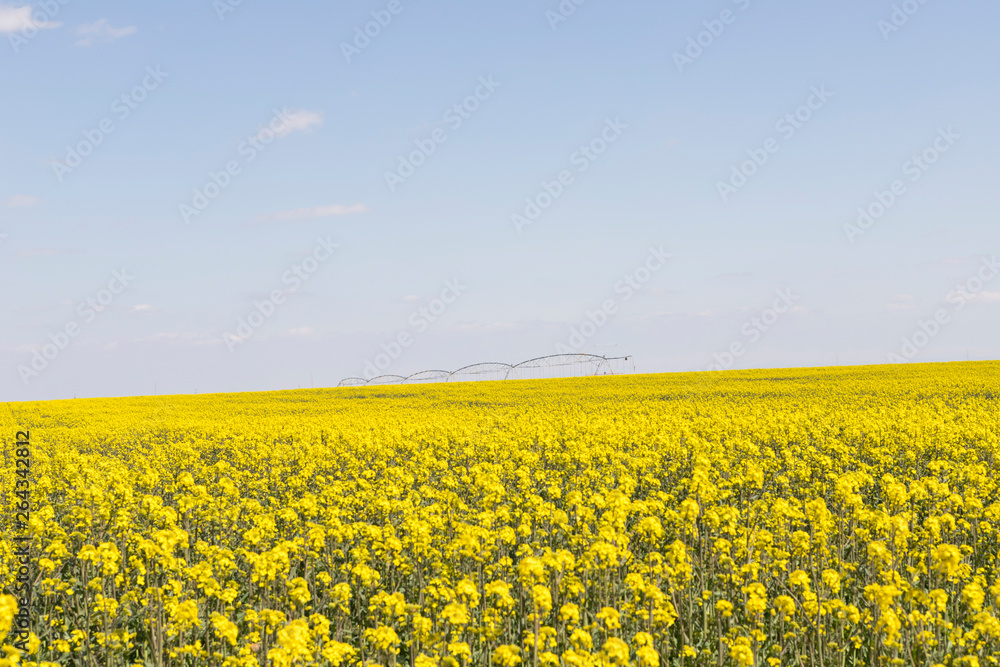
839,515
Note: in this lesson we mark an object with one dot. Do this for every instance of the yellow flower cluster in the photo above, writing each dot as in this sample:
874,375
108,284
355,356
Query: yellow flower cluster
829,516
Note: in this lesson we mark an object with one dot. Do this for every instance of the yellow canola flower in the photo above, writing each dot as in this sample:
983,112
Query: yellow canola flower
467,592
611,618
973,595
799,578
456,613
383,639
831,578
298,591
531,570
613,519
581,640
460,650
224,628
569,614
741,653
785,605
617,651
294,644
756,598
338,653
507,656
8,609
184,615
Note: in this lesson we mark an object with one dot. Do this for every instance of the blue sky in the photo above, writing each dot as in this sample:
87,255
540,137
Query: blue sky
745,158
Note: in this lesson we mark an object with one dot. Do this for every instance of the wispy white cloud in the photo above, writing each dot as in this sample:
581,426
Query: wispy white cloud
330,211
959,260
20,201
48,252
297,121
190,337
901,302
895,307
486,327
986,297
100,31
17,19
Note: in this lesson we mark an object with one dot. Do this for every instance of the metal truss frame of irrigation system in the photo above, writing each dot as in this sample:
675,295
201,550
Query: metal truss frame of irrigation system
591,364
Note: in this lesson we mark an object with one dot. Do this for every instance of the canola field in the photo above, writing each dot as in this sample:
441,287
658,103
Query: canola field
823,517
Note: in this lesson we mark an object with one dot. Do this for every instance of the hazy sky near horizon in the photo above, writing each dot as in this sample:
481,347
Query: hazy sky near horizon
227,196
